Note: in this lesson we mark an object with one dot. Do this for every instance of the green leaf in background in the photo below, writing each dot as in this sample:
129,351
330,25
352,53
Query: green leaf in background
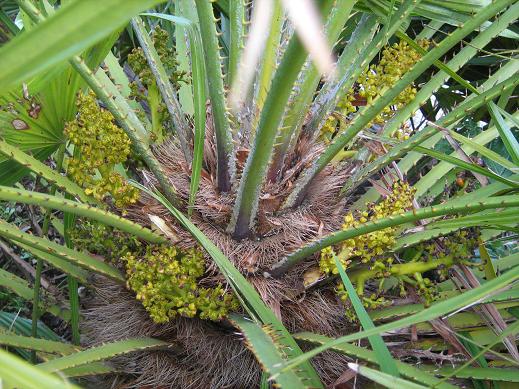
27,342
21,288
484,151
63,35
22,326
13,323
384,379
353,351
465,165
89,369
15,371
505,131
384,358
100,353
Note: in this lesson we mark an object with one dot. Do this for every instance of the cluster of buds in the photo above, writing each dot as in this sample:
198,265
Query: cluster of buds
459,246
429,265
99,145
144,87
372,301
344,107
103,240
371,247
403,133
368,248
395,61
164,279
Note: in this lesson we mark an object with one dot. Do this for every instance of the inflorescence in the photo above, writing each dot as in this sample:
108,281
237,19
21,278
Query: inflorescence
144,87
370,248
99,145
428,266
454,248
164,279
103,240
396,60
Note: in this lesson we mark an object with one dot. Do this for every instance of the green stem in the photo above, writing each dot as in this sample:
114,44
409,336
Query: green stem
35,304
237,24
73,297
69,220
224,143
401,269
269,59
307,83
165,88
451,208
65,205
257,162
55,261
60,156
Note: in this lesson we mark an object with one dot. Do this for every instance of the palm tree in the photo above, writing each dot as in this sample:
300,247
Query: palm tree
271,177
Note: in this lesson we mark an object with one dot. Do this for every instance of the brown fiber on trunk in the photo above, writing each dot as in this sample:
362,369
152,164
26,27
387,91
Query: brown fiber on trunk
212,355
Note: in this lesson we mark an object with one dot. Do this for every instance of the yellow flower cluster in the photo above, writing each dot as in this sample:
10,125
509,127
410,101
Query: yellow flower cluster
103,240
459,245
99,145
165,281
395,61
403,133
147,89
372,301
369,247
327,262
344,107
